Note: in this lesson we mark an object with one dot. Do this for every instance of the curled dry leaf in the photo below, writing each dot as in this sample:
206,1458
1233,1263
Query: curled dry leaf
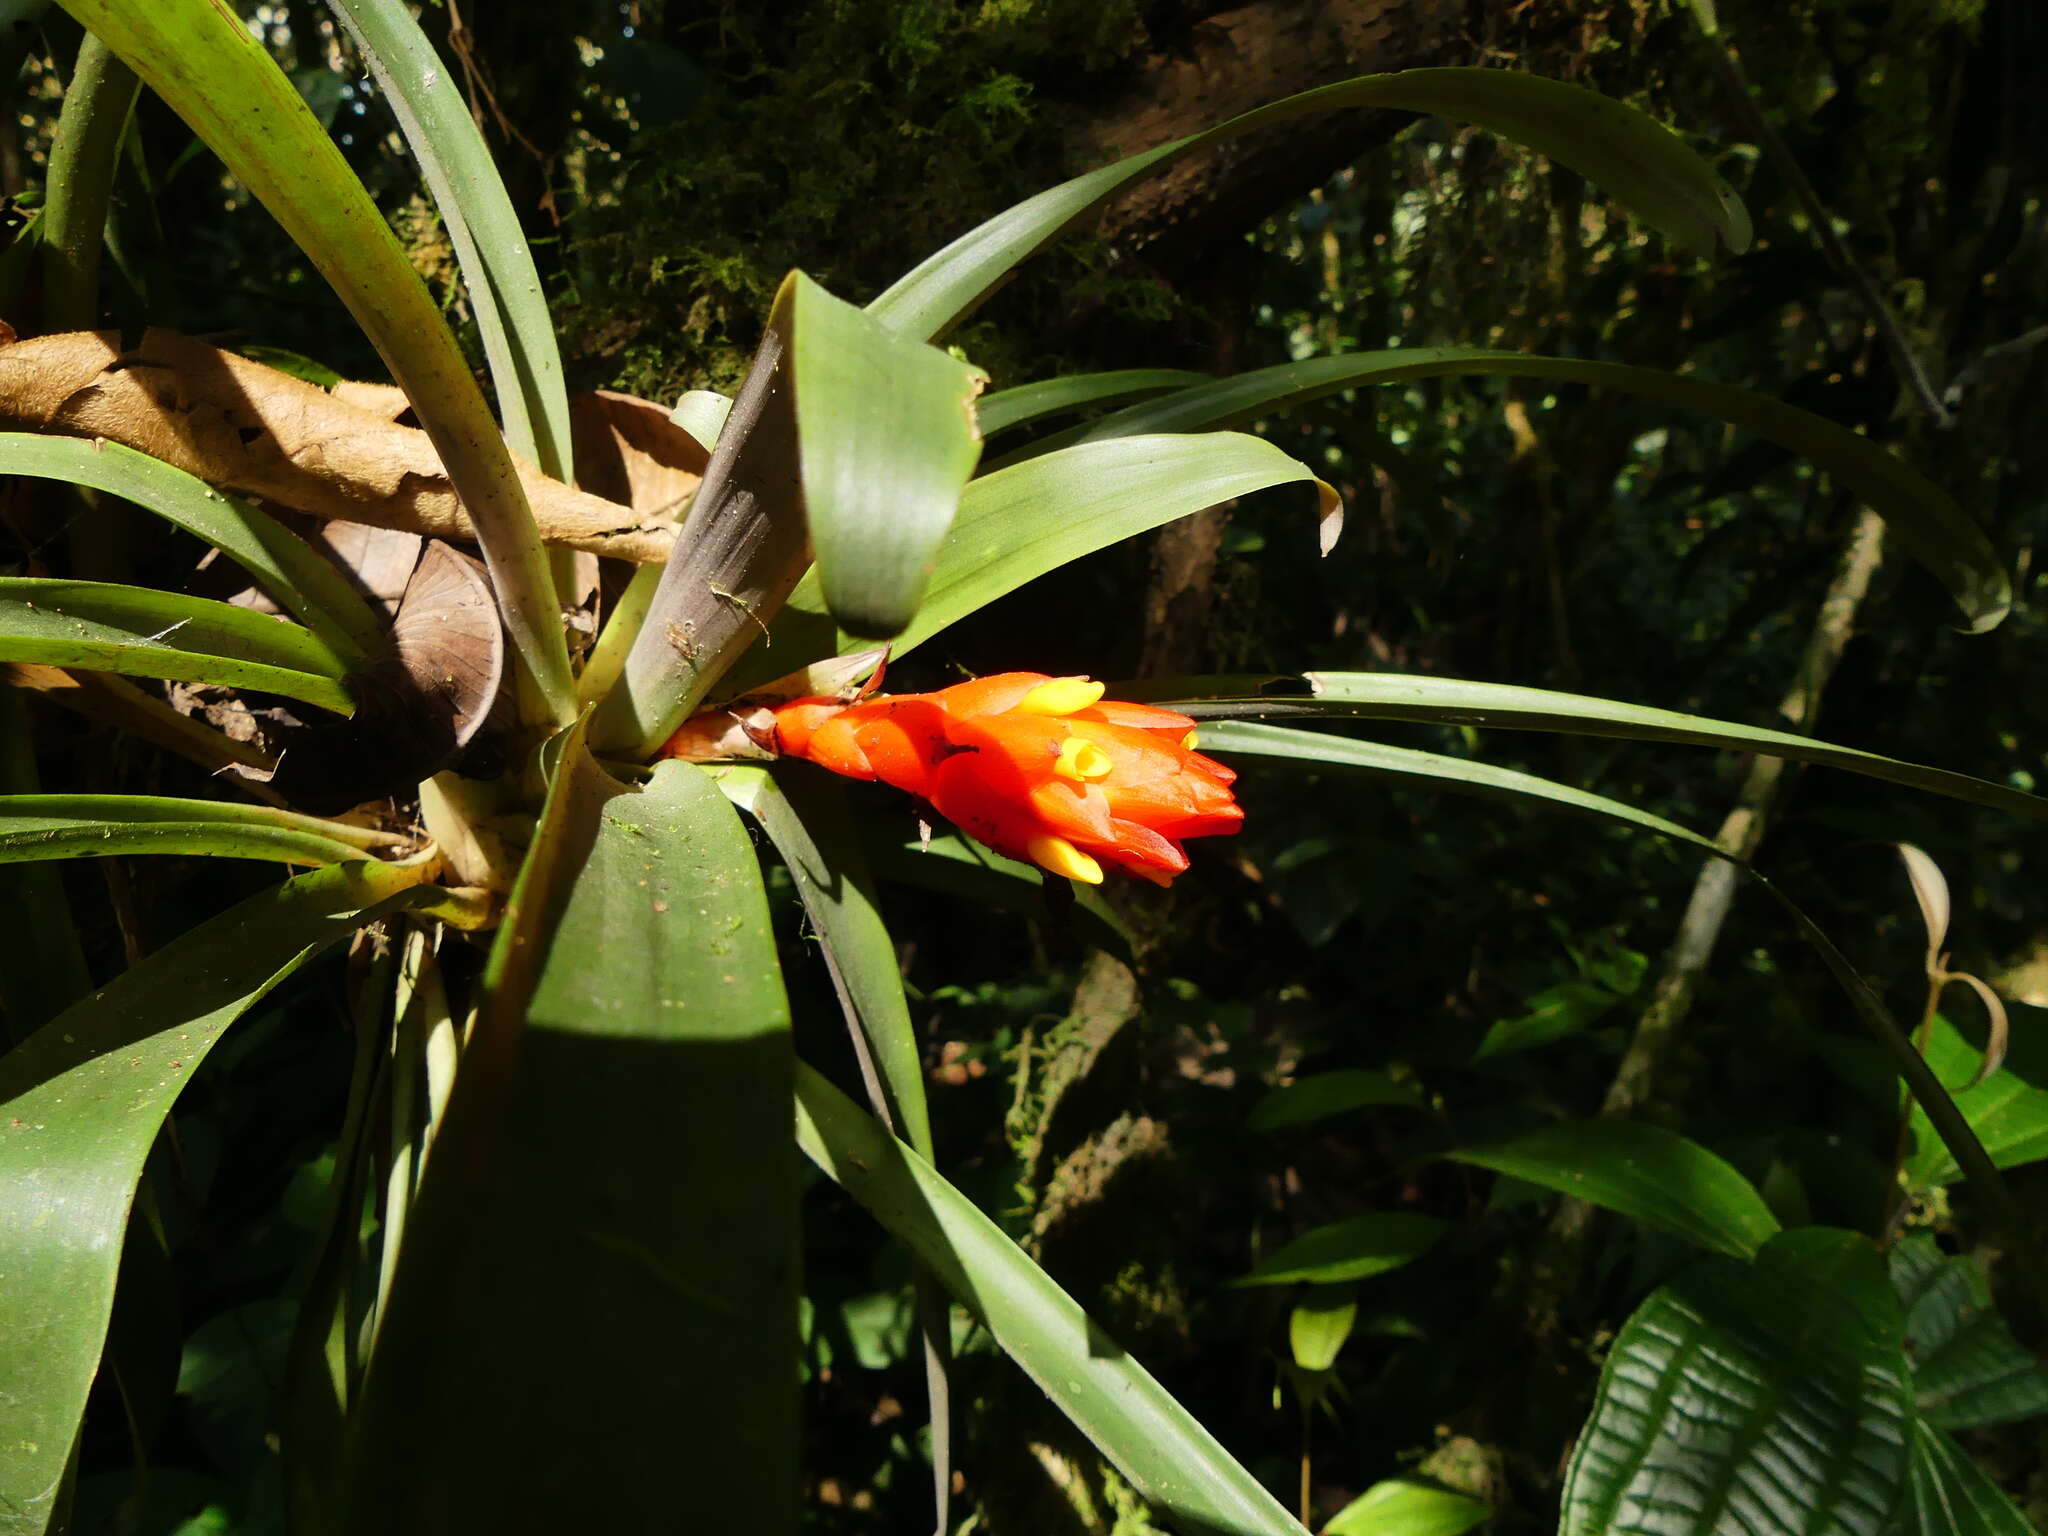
1998,1029
1931,891
745,727
248,428
629,450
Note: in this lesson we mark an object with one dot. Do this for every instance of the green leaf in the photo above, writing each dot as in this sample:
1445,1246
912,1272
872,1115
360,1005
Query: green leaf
806,817
497,264
1555,1013
1017,524
1632,156
1320,1323
218,76
101,826
147,633
1645,1172
1951,1496
605,1235
1768,1396
1455,701
1408,1506
42,964
886,439
81,1101
1924,518
1026,403
1173,1462
1353,1249
1324,1094
1968,1369
303,582
2007,1111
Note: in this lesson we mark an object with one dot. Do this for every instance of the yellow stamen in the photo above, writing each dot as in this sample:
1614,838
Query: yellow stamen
1059,696
1188,742
1063,858
1083,761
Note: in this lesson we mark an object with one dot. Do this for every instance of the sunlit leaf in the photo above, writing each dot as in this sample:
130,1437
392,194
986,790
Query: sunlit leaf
147,633
101,826
1173,1462
81,1102
2008,1111
1643,1171
1026,403
1320,1323
1770,1396
1408,1506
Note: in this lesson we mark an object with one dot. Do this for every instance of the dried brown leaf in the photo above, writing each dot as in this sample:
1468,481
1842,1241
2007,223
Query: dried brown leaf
628,450
1931,891
248,428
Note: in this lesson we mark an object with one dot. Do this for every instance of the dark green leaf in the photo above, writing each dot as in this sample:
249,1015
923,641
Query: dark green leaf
100,826
1173,1462
1925,519
1968,1369
593,1324
1026,403
1643,1171
147,633
954,866
1768,1396
1354,1249
1324,1094
1632,156
1454,701
303,582
1555,1013
82,1099
1951,1496
2008,1113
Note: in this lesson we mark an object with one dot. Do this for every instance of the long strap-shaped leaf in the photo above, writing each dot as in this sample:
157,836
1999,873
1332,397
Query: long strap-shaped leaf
1466,776
147,633
1026,403
1457,701
1018,523
213,72
1635,158
1920,514
604,1247
80,1103
1170,1459
497,264
307,585
36,827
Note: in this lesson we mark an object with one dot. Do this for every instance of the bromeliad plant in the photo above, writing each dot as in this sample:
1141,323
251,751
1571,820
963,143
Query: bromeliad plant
580,1307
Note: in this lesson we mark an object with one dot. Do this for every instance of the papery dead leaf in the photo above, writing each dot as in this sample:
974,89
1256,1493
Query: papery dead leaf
1999,1029
1930,889
628,450
248,428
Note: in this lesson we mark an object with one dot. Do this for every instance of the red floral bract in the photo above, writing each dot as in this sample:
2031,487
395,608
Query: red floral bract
1039,768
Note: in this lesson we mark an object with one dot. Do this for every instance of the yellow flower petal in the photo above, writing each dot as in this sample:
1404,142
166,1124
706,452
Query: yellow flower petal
1188,742
1063,858
1060,696
1083,761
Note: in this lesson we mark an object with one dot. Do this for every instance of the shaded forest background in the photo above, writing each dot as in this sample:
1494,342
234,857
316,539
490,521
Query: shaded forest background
673,161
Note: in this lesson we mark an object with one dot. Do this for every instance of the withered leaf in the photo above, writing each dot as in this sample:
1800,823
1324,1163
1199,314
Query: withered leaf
248,428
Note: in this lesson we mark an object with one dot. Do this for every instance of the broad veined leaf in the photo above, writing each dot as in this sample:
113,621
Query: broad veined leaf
497,264
81,1101
1631,156
2008,1110
1323,1094
1019,523
1968,1369
886,439
1353,1249
606,1232
1408,1506
100,826
1455,701
1923,517
1767,1396
1951,1496
1643,1171
1173,1462
302,581
146,633
1026,403
1467,776
217,75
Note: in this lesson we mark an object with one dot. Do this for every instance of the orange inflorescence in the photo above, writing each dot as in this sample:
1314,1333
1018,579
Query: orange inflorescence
1039,768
